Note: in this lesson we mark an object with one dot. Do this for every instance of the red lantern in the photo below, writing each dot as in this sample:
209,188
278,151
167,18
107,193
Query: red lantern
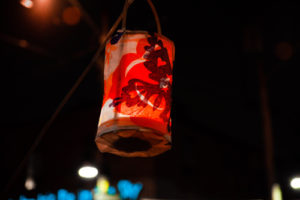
135,115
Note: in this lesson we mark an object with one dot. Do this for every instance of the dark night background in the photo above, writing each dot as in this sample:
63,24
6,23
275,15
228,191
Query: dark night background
218,145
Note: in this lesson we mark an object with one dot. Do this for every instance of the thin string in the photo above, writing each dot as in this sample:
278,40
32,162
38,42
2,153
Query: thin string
125,15
158,26
62,104
153,9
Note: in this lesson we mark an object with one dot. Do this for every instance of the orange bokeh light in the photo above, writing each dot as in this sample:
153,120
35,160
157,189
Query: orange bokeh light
71,15
41,10
26,3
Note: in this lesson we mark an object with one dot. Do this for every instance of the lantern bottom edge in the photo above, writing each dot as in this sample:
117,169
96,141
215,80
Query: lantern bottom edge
132,141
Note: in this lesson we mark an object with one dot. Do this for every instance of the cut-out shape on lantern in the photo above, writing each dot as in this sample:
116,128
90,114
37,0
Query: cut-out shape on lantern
135,115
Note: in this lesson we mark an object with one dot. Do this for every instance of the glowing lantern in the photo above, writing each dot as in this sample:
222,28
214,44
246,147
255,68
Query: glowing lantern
135,116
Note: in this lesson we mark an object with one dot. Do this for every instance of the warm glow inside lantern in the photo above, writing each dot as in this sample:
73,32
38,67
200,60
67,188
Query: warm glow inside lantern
135,115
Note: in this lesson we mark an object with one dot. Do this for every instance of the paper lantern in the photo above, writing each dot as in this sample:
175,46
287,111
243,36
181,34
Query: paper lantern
135,115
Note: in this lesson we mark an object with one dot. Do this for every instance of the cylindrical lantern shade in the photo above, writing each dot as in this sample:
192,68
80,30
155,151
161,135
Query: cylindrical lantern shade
135,116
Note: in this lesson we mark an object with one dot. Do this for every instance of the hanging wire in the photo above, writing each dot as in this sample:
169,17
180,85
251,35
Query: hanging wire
62,103
153,9
126,5
158,26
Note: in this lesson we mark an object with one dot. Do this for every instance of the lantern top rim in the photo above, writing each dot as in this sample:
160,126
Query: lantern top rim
128,32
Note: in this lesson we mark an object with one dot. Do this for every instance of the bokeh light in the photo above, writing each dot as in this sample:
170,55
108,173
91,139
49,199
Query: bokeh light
29,183
88,172
26,3
276,192
23,43
71,15
103,184
295,183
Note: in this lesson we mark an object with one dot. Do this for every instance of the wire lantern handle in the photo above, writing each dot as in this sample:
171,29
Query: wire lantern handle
154,12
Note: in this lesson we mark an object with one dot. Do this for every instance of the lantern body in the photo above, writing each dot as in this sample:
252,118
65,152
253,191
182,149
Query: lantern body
135,115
